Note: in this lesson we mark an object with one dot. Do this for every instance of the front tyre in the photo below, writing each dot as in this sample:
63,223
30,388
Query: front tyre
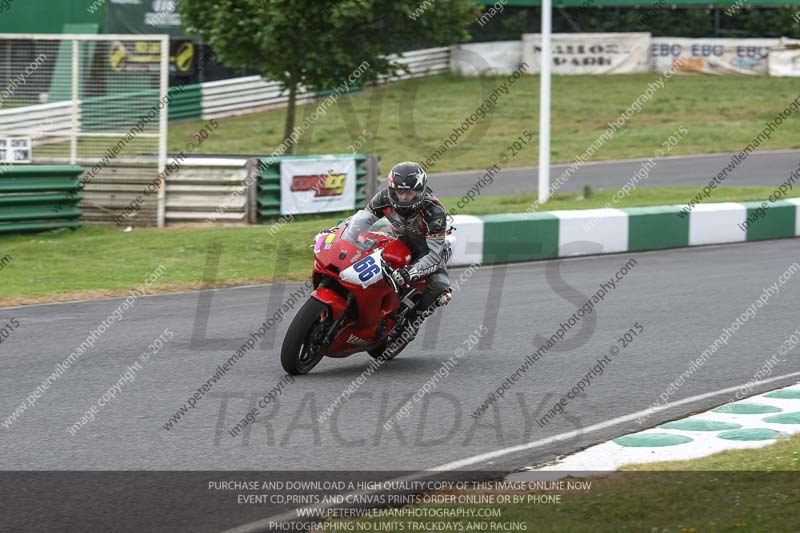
302,347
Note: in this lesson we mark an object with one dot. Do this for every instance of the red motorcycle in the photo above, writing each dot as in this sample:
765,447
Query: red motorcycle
356,306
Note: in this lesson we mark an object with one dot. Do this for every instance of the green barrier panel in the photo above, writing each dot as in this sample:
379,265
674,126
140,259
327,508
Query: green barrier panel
129,107
327,92
35,184
117,85
519,237
38,212
187,104
268,197
126,109
28,178
361,180
30,199
775,222
39,226
38,198
653,228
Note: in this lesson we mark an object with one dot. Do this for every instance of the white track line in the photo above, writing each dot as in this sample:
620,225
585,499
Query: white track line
602,425
154,295
261,525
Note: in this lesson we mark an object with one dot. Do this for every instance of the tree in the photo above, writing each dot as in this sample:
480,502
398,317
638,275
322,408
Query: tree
319,44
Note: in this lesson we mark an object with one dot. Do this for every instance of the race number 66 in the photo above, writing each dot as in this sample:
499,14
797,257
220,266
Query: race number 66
366,268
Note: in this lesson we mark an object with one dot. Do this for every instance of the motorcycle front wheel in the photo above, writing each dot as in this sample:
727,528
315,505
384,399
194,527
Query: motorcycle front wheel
302,347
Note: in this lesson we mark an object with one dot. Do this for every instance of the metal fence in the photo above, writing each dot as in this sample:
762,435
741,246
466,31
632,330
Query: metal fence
95,100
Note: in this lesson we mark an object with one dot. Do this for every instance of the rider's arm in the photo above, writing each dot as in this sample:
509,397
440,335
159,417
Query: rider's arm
365,218
436,220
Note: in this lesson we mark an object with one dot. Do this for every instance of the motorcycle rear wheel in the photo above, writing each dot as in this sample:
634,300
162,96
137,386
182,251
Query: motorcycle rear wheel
302,350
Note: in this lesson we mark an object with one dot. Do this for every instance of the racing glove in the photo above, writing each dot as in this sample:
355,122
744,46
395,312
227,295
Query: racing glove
403,276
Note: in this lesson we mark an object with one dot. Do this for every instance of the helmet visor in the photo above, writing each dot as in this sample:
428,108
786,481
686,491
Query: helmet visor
404,197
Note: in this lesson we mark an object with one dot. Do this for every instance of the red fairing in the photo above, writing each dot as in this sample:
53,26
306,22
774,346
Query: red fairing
397,254
332,298
373,305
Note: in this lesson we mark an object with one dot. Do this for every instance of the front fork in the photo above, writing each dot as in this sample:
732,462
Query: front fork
338,323
406,305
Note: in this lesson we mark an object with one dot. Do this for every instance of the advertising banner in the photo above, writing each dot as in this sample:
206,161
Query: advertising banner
144,16
784,63
136,57
318,185
486,59
785,60
590,53
713,56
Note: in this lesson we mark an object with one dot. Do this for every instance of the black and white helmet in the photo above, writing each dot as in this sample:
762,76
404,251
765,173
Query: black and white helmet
403,177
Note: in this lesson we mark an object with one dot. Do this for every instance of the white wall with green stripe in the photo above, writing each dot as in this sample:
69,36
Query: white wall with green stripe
532,236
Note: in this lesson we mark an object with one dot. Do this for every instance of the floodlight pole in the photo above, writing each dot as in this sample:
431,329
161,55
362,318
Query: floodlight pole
546,61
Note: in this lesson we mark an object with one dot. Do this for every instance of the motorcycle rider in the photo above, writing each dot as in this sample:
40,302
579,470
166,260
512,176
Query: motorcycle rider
418,219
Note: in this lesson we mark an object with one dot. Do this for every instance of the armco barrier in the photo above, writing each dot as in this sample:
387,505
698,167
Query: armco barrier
186,104
549,235
198,189
108,194
207,189
34,198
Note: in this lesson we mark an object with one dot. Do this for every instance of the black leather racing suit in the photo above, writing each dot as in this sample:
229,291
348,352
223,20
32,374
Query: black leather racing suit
423,232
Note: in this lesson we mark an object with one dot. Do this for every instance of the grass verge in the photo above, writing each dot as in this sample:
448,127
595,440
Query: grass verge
519,203
745,490
410,119
784,455
96,262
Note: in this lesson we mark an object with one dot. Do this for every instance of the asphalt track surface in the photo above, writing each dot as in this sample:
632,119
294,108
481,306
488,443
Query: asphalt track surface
762,168
683,298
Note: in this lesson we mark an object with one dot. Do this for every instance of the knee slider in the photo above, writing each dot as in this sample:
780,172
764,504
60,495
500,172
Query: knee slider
444,298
